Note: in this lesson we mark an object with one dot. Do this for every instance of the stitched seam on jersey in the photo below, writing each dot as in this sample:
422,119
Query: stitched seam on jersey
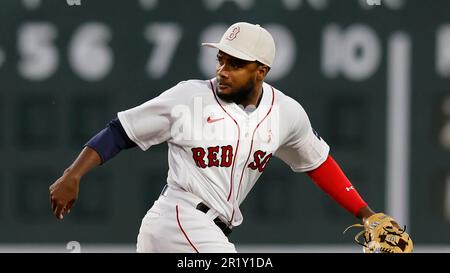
237,143
251,146
182,230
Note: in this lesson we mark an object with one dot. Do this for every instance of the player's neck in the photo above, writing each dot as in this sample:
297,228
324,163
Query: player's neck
254,98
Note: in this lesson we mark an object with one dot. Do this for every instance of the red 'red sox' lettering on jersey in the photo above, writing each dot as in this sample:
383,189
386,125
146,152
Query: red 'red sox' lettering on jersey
198,154
209,157
257,163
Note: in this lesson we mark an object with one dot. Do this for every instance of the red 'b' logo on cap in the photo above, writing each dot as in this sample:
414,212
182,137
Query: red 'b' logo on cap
233,34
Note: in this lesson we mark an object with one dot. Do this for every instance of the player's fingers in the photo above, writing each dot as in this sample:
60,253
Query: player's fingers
52,195
58,212
53,206
52,202
69,206
65,210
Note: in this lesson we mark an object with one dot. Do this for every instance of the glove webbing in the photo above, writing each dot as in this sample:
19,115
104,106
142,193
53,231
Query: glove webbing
366,242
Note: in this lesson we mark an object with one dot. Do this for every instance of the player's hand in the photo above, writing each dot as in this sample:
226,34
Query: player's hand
63,194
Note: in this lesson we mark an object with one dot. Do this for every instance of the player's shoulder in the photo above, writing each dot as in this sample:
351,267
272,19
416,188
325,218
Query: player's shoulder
189,88
195,83
284,101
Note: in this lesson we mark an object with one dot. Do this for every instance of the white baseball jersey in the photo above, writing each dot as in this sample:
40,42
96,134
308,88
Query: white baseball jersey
217,151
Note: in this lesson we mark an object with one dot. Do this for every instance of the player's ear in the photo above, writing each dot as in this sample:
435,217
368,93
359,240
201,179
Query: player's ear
262,71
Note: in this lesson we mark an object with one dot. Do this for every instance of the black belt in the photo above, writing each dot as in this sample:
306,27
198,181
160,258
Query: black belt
224,227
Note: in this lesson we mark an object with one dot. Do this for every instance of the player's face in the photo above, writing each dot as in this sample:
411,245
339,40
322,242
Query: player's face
237,78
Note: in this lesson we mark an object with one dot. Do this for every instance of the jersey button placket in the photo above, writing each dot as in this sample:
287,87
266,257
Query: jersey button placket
247,126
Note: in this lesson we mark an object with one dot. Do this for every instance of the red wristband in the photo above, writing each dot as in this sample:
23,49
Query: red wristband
332,180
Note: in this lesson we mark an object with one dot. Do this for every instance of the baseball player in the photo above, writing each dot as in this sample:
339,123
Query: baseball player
221,135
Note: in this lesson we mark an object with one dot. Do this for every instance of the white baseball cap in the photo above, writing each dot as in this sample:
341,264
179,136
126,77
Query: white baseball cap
247,42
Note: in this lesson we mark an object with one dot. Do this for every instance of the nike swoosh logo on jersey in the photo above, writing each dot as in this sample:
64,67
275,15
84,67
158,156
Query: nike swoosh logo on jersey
211,120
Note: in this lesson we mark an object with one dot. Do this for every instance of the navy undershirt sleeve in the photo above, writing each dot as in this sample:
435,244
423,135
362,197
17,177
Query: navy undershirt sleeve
110,141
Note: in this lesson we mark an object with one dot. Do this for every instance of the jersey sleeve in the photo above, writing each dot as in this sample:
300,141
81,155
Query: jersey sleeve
150,123
303,149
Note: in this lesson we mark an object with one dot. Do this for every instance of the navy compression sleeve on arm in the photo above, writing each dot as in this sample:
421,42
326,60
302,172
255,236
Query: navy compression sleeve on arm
110,141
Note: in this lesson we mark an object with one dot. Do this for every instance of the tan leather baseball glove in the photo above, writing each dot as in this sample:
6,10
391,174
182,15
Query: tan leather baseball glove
382,234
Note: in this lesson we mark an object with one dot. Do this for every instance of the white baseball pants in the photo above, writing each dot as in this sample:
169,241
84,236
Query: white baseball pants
173,224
